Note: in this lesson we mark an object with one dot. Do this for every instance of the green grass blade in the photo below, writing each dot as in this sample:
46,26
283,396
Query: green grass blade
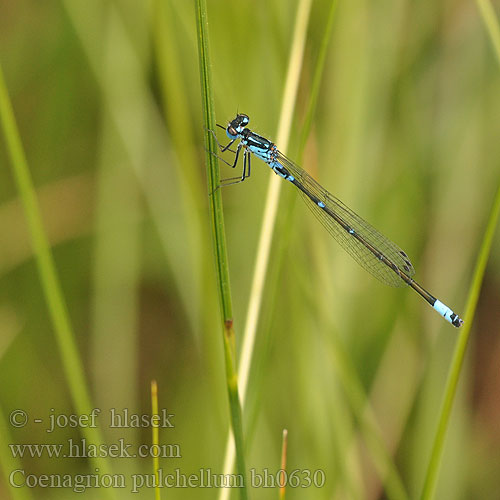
215,195
155,437
71,361
429,487
370,430
152,136
458,355
273,194
317,78
219,240
489,18
358,399
270,212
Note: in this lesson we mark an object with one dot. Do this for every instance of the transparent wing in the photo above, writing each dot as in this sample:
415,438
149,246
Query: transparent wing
353,246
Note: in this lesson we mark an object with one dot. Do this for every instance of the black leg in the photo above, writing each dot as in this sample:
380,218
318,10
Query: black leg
222,159
236,180
229,182
245,174
238,149
248,159
232,165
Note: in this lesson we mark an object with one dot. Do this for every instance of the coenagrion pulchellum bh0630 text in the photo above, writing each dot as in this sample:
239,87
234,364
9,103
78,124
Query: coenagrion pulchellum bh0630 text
376,253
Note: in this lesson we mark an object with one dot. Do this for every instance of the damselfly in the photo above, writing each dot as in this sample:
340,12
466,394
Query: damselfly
371,249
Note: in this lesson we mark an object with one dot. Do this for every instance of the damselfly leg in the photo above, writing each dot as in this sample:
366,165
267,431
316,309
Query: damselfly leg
246,161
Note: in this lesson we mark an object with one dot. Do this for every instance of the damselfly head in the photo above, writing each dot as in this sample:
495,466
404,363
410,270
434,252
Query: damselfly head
242,119
237,125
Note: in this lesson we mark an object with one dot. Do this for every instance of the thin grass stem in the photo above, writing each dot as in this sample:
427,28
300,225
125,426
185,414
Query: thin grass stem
490,20
317,78
219,240
459,353
270,212
155,430
284,449
492,26
72,364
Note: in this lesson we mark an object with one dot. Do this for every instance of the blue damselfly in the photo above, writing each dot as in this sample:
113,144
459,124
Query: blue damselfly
371,249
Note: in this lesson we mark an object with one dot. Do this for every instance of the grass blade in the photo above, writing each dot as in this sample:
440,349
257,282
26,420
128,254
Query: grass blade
270,212
71,361
429,487
458,355
155,437
489,18
284,447
219,240
317,78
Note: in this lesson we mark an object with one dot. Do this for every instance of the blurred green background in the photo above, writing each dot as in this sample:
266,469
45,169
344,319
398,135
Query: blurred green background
107,100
